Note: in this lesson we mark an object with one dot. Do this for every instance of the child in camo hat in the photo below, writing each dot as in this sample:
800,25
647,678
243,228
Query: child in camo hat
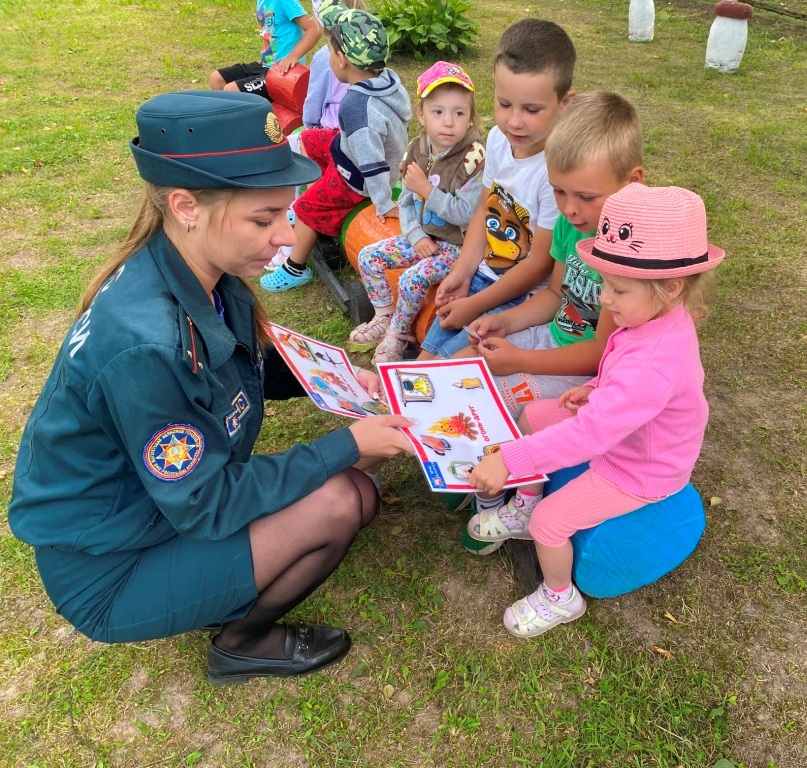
360,159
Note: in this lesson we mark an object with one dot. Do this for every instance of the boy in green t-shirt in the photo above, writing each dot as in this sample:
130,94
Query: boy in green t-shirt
555,339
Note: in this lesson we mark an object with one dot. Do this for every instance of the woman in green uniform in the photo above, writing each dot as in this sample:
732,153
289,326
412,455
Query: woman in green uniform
135,481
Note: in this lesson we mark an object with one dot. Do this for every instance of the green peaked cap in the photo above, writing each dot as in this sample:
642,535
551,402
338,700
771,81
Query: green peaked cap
359,34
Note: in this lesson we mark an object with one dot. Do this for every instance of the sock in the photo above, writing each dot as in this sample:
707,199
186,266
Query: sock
293,268
557,595
525,501
384,311
494,503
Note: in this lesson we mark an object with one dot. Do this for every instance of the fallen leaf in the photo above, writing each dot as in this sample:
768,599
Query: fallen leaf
270,412
715,501
390,498
396,530
662,652
670,617
388,691
361,669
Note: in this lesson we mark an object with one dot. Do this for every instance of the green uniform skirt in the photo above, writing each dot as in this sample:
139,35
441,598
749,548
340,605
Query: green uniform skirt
173,587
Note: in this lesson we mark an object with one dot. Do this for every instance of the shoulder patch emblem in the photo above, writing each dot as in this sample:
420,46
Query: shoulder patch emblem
241,405
174,451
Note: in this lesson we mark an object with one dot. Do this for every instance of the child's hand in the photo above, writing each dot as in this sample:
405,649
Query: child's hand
491,325
381,437
371,383
490,474
457,313
416,180
454,286
390,214
425,247
575,398
502,357
284,65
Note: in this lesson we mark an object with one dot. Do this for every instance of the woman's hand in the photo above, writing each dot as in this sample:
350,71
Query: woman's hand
371,384
575,398
380,437
490,474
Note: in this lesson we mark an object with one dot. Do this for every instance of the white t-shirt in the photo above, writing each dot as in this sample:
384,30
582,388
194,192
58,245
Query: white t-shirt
521,200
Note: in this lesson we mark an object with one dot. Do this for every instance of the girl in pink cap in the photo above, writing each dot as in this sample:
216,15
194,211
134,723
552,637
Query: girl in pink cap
442,181
640,422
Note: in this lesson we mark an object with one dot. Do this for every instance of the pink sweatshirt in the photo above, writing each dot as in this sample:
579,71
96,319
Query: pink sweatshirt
643,426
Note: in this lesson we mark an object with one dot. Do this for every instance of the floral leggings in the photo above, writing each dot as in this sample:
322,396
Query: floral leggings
394,253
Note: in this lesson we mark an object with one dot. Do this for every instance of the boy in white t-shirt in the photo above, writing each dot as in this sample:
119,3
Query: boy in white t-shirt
505,254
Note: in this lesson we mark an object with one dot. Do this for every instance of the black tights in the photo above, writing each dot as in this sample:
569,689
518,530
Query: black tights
293,552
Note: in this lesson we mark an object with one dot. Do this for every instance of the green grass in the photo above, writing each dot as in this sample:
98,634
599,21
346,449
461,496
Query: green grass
706,664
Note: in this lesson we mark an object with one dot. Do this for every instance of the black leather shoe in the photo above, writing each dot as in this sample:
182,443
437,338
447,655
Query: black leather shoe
309,647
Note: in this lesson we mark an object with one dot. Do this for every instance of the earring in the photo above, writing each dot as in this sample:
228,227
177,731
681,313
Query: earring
187,226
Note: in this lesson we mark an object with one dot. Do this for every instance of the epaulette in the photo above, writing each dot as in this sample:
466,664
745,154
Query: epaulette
191,342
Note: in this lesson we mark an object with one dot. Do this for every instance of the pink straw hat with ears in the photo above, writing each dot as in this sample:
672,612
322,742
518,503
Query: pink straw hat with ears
651,233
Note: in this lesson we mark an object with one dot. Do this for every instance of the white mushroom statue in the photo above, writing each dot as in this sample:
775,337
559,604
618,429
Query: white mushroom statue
728,35
641,21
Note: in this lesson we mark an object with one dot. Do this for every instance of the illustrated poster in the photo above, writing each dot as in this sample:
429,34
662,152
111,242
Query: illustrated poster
460,414
325,373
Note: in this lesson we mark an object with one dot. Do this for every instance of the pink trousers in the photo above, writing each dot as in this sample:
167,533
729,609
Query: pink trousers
584,502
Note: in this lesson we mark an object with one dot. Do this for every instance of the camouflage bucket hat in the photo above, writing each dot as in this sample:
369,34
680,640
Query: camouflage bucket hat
359,34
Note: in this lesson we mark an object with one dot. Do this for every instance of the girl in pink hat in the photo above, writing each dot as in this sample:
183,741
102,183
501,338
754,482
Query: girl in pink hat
640,422
442,181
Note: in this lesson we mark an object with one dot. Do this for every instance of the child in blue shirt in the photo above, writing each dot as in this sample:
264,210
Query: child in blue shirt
287,32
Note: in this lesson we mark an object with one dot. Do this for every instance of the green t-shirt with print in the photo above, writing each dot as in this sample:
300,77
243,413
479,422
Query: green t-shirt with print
576,320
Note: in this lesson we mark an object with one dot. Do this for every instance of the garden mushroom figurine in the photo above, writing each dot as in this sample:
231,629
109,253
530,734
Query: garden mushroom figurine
728,35
641,21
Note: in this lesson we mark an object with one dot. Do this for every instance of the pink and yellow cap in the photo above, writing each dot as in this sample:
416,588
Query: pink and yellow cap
440,73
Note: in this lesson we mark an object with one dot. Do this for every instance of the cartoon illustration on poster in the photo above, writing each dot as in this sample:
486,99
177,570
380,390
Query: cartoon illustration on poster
457,412
460,416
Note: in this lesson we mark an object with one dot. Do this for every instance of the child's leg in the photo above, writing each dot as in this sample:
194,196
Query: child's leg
512,520
374,260
586,501
421,275
293,272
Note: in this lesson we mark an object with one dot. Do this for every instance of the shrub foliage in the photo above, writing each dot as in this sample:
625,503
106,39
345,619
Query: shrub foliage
423,28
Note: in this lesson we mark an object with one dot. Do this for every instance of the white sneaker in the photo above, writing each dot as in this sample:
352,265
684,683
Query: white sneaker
539,612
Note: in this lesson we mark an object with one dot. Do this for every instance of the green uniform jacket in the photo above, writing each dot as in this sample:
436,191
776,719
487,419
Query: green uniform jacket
146,426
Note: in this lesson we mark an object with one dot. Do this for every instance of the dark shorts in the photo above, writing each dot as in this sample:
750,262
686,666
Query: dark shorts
327,202
173,587
250,78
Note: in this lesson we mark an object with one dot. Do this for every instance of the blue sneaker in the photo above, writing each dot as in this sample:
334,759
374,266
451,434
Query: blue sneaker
283,280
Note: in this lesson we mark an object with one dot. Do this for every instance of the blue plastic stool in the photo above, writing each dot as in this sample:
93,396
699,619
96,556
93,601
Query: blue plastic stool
626,552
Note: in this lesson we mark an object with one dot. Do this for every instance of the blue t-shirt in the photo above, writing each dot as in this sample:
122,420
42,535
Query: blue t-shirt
278,31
